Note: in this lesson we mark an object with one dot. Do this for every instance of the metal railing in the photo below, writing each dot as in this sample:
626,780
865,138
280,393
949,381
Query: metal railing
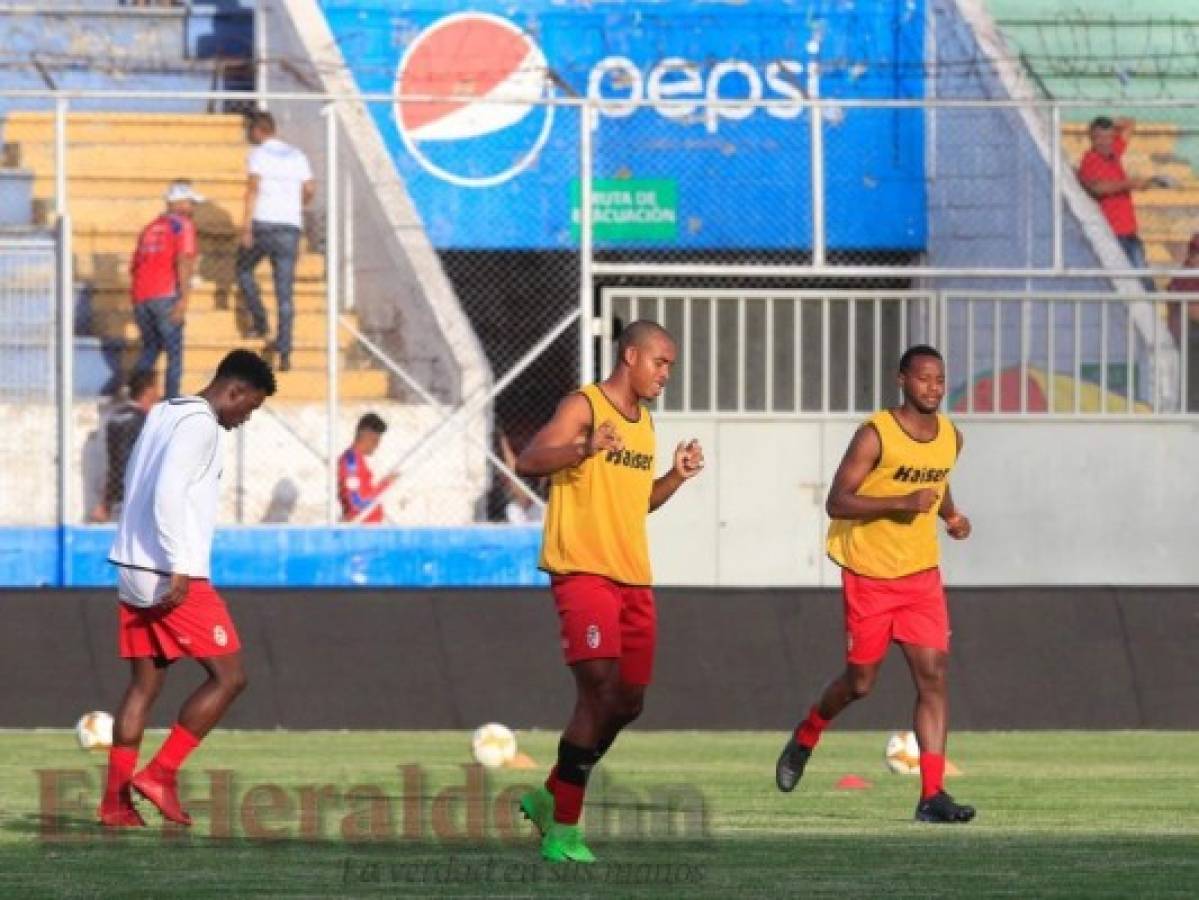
777,353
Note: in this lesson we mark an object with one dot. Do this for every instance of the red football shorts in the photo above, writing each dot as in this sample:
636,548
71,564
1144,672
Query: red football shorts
199,627
601,619
910,610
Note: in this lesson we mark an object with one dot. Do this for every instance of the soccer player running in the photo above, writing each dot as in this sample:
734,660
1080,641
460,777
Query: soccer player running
891,485
599,450
168,609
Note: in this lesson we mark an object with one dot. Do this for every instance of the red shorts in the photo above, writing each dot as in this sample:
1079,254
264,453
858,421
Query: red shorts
198,627
601,619
910,610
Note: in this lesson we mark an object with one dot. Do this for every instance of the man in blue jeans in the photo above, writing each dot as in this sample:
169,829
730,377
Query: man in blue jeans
278,186
161,272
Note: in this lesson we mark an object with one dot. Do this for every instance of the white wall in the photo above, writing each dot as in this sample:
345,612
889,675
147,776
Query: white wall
1051,502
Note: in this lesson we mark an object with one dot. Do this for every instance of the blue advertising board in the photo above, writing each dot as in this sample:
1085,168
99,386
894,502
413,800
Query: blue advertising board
491,165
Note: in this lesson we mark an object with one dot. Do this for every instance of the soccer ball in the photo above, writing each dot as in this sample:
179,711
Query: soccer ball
902,755
493,745
94,731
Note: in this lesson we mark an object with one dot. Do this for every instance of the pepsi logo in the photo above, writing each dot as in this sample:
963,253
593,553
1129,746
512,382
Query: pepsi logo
481,118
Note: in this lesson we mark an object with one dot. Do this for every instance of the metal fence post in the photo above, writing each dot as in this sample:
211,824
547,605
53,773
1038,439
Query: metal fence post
816,125
332,271
586,249
260,55
66,338
1055,145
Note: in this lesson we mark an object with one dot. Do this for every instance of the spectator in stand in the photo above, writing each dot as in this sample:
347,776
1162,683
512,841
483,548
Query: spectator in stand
161,274
356,486
1188,285
124,425
1102,174
278,186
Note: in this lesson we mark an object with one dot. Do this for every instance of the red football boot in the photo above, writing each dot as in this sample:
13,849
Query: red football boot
122,814
163,793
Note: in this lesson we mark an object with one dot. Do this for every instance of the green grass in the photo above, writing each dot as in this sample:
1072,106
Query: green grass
1060,815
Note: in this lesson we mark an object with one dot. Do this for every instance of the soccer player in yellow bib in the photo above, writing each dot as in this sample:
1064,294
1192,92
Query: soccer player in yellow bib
599,450
891,486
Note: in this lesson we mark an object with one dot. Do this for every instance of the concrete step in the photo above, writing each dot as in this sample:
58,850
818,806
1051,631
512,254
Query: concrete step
143,127
308,386
163,159
205,357
214,300
223,190
218,246
217,266
220,326
111,290
120,212
1167,198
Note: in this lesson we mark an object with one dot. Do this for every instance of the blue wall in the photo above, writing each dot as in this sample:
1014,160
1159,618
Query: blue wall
479,556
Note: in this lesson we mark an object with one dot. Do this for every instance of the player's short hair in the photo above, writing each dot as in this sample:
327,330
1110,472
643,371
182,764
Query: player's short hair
912,353
637,333
371,422
140,382
1101,122
260,118
248,367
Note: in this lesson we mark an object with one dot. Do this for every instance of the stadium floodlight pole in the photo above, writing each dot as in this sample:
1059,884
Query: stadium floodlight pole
586,248
816,124
66,336
332,270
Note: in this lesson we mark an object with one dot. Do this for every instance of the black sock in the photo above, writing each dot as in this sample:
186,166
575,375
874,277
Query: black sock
602,747
575,763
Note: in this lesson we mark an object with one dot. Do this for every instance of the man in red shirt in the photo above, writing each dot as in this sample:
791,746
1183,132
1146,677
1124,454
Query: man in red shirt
1101,172
356,486
161,272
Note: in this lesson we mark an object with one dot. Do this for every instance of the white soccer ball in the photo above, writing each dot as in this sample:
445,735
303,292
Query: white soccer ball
903,753
493,745
94,731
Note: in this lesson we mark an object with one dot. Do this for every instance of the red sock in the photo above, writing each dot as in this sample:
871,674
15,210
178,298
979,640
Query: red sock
932,774
121,763
174,750
552,779
809,730
568,802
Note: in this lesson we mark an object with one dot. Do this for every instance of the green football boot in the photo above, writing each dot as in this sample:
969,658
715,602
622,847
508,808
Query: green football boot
564,843
538,808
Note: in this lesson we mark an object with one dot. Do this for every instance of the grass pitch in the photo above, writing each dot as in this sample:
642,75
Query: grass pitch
681,814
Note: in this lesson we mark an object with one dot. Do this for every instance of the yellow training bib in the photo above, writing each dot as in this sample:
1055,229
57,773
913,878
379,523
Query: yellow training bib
595,519
897,545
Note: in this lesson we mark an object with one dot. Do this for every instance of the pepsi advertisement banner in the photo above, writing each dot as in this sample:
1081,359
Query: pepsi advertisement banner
689,170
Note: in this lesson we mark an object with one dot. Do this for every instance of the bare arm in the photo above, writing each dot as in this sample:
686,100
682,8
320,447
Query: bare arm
566,440
844,502
1104,188
956,523
307,192
688,461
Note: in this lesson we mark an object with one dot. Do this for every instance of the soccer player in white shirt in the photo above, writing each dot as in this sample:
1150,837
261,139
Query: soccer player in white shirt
278,186
168,608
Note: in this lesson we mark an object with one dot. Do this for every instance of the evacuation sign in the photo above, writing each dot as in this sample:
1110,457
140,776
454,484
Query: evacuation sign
628,209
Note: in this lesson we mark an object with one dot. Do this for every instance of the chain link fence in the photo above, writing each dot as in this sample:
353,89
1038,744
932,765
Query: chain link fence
449,278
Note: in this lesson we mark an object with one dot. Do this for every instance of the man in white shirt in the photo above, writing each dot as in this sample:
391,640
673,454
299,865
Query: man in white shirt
278,186
168,608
